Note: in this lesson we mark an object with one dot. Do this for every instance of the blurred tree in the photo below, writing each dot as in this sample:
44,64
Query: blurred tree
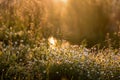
21,19
85,20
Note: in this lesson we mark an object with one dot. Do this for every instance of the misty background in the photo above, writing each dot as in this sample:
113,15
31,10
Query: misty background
72,20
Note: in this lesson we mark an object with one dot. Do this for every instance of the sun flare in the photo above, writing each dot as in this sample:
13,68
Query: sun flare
52,41
63,1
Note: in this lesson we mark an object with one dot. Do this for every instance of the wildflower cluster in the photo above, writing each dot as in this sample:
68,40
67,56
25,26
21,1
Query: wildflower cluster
41,62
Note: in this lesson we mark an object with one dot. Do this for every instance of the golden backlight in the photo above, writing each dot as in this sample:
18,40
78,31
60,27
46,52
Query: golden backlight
61,1
52,41
64,1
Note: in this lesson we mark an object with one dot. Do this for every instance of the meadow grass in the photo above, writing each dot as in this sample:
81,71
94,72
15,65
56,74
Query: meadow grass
45,62
25,55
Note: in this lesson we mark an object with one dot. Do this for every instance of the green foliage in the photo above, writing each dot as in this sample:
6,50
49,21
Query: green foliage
21,20
26,55
42,62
